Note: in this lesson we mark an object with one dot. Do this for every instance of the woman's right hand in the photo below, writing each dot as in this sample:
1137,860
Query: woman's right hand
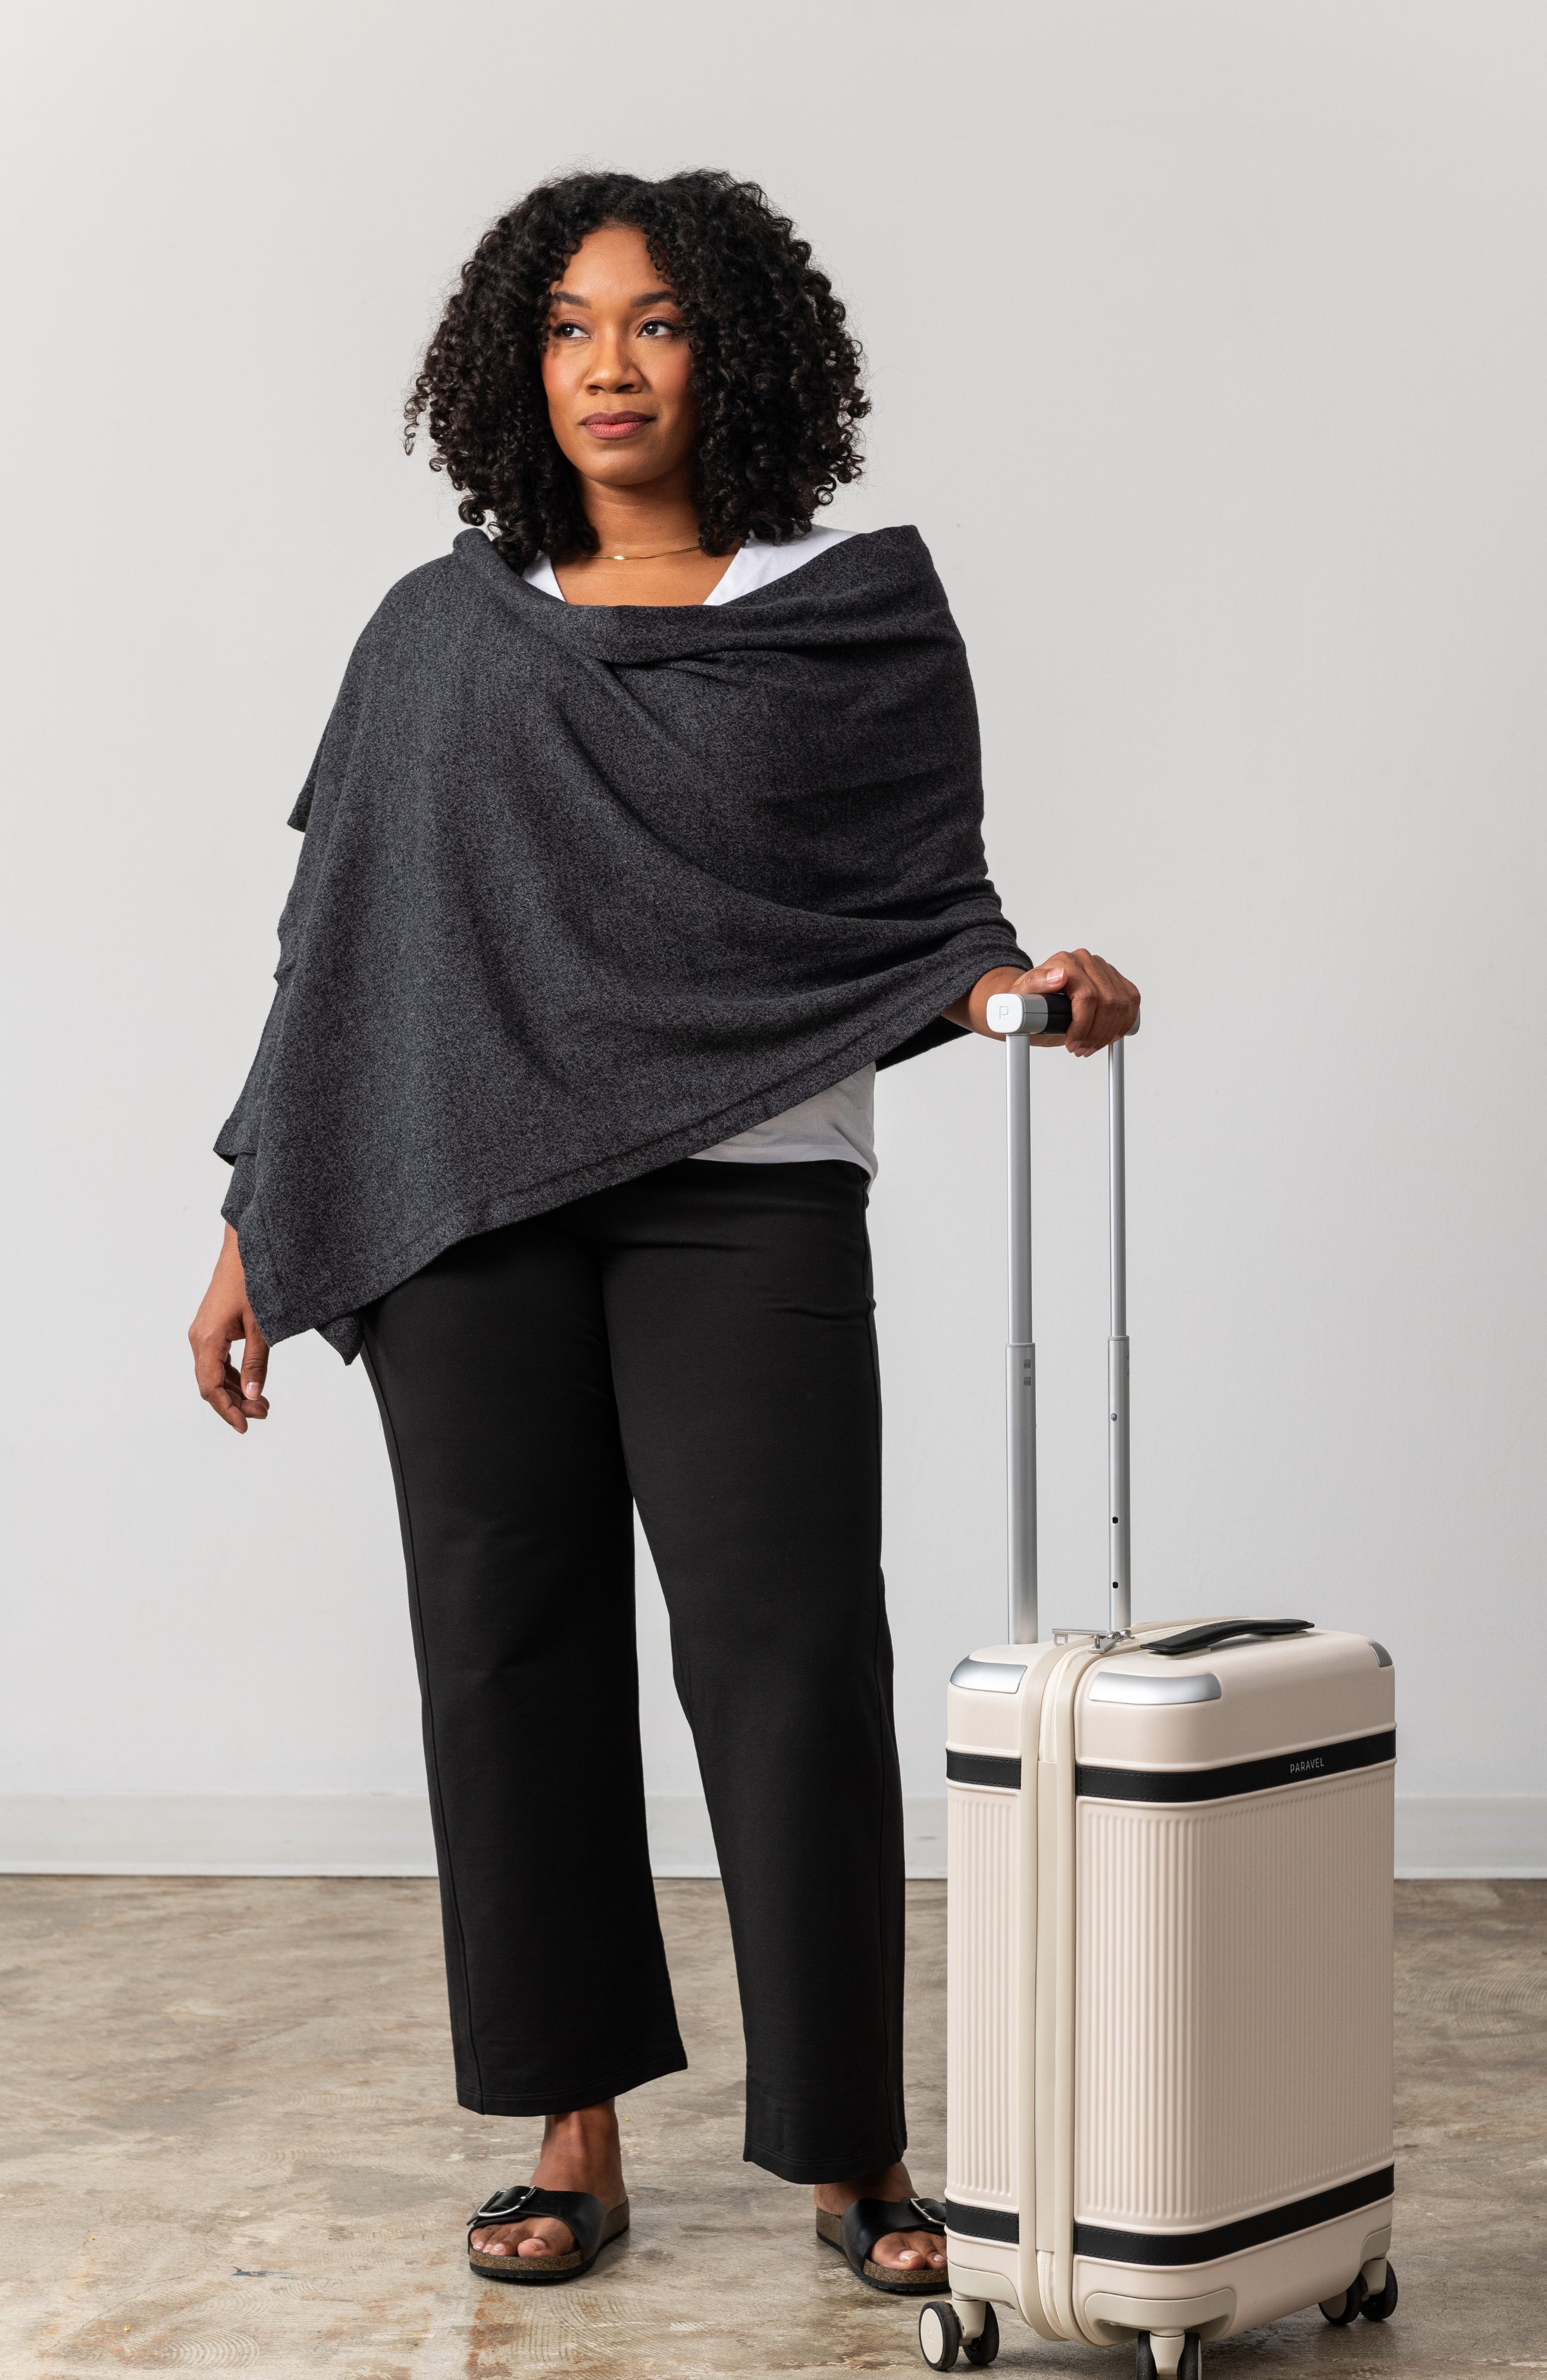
225,1316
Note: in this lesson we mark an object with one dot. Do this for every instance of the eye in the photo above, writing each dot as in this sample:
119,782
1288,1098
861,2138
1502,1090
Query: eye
561,329
658,325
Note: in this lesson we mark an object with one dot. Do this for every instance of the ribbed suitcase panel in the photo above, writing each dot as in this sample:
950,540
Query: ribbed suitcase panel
1233,2001
982,1997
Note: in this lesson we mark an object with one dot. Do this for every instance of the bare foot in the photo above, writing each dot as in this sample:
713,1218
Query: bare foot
909,2252
579,2152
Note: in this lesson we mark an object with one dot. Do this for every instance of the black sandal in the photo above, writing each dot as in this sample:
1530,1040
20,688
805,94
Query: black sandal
856,2231
590,2227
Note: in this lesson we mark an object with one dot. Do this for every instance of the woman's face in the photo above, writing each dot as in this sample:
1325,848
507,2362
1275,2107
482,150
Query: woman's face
616,364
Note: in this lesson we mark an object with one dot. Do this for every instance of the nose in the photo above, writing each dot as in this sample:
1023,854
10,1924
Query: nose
612,368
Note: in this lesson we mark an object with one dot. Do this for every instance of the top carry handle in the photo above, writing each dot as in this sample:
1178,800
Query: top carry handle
1019,1016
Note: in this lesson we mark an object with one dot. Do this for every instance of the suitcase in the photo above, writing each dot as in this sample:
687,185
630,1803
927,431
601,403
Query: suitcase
1169,1960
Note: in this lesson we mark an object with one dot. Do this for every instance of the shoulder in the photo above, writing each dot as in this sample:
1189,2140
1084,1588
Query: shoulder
896,559
851,560
438,599
888,572
420,593
876,543
406,608
896,549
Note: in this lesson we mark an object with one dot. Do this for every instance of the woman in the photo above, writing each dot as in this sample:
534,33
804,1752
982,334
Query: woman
647,824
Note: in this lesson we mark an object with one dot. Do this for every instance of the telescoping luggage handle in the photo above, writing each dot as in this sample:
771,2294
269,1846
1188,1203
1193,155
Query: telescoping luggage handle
1019,1016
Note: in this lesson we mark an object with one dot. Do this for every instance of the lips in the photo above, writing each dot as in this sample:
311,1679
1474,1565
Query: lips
615,425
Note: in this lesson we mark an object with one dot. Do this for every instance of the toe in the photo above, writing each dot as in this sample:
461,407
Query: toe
553,2240
909,2251
509,2240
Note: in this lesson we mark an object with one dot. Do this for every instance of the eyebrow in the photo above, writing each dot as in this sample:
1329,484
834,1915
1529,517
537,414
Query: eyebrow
650,297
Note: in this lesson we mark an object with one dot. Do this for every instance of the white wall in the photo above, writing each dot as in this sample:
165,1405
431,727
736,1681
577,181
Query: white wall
1208,350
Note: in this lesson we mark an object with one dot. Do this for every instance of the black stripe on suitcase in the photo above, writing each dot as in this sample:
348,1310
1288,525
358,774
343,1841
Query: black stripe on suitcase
1233,1776
1184,2246
983,2223
982,1769
1229,2239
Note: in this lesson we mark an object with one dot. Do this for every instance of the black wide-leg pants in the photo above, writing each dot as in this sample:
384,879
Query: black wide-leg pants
699,1342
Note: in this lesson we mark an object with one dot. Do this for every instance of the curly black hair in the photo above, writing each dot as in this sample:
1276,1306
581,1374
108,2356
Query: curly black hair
775,373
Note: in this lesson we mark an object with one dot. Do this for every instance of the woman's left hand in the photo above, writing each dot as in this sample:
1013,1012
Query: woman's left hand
1105,1004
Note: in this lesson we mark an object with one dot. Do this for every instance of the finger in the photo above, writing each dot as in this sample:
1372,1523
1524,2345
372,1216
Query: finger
1096,1012
225,1398
255,1354
1116,1007
1117,1004
1052,975
255,1366
215,1377
1084,1004
212,1352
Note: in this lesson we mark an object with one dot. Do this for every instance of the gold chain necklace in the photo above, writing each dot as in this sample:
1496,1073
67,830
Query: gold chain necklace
665,550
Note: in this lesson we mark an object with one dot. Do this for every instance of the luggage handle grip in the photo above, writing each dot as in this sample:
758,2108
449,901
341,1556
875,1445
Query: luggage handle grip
1224,1631
1029,1011
1035,1013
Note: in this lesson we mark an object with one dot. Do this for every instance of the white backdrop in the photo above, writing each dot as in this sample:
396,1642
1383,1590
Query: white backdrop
1207,343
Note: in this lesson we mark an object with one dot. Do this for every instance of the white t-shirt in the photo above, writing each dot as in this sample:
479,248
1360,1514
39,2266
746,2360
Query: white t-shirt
840,1122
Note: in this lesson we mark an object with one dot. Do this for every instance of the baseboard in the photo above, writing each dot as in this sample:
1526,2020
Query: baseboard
216,1834
317,1833
388,1834
1503,1835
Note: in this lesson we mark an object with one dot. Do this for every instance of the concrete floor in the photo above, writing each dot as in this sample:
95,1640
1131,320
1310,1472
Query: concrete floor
230,2144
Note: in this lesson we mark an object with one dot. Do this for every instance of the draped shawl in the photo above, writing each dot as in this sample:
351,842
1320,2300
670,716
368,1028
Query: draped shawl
586,889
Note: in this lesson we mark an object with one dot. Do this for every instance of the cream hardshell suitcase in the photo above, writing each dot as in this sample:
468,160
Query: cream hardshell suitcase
1169,1993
